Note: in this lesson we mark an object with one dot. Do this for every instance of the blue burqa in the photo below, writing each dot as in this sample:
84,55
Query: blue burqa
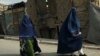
26,30
26,35
69,39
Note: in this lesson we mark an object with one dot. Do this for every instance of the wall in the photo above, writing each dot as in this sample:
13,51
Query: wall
56,13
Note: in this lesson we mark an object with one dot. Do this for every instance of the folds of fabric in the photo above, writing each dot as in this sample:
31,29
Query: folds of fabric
26,35
26,30
36,46
26,48
70,39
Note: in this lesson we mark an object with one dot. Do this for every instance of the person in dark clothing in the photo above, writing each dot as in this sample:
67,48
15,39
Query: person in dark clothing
70,37
28,43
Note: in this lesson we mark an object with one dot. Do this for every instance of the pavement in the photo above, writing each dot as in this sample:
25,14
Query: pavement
11,48
55,42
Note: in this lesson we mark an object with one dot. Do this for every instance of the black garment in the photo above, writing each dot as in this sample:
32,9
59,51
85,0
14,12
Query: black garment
1,30
36,46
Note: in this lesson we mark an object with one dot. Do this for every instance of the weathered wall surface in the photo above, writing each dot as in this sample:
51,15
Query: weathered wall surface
32,12
57,12
82,9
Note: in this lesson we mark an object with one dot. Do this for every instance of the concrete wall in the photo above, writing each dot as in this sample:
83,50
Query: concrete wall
32,11
57,12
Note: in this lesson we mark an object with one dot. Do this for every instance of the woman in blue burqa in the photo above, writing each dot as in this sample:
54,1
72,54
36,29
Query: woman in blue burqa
27,36
70,38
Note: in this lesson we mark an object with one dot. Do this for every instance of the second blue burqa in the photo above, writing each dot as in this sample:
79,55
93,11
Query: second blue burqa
69,41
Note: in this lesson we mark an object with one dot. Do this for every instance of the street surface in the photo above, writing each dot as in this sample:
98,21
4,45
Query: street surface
11,48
